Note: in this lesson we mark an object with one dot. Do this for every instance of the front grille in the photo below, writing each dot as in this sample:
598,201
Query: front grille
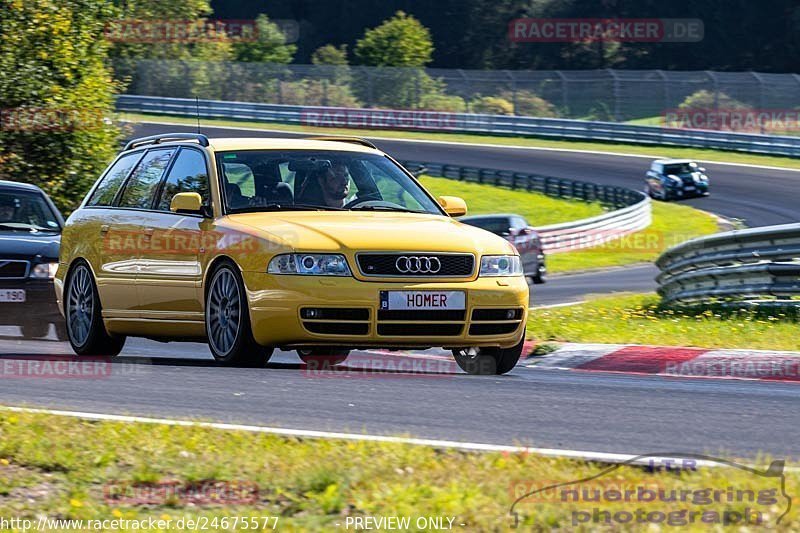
13,269
422,315
334,313
451,265
419,330
496,314
337,328
495,328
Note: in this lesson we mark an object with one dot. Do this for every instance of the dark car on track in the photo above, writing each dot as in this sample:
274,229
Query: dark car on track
516,230
30,236
670,179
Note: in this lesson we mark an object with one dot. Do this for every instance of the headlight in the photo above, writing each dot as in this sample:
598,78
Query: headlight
44,271
501,265
309,264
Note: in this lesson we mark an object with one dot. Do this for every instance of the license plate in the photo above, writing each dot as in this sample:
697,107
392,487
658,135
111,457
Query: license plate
423,300
12,295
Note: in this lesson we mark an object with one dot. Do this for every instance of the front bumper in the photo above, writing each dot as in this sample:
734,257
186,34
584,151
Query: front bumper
276,303
39,306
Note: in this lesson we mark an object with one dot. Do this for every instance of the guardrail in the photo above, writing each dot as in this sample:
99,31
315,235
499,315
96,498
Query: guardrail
631,209
759,265
460,122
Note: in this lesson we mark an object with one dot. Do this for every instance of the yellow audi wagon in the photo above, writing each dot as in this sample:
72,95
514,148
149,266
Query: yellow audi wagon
316,245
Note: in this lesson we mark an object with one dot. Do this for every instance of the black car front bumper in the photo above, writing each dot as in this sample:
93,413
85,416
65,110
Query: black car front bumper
39,307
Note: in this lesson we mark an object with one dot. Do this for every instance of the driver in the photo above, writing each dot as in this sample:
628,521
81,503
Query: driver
7,209
335,184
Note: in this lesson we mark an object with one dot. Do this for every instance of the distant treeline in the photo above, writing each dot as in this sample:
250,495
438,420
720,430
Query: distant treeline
740,35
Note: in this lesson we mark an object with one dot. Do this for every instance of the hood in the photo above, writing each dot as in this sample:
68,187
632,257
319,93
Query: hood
40,247
336,231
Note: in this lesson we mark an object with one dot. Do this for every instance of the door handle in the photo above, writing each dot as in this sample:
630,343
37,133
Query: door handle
104,229
148,232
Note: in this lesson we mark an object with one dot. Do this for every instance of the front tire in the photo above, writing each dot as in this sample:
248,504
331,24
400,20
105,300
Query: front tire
85,329
227,318
488,361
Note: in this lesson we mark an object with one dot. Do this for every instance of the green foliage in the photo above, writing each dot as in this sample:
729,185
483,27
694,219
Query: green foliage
269,46
492,105
333,62
316,92
705,99
330,55
401,41
442,102
528,104
54,77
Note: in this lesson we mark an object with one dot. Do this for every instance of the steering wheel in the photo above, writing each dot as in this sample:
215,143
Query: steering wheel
371,200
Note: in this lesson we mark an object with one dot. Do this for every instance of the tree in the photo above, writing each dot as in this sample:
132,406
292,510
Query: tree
57,95
401,41
330,55
269,45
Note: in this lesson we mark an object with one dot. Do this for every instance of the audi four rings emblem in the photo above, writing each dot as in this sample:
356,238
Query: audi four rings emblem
418,265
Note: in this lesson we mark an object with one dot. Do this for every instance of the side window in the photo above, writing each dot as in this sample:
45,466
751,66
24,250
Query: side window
188,174
106,191
142,185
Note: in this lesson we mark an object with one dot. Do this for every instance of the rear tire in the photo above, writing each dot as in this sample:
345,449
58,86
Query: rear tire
85,329
227,318
488,361
319,358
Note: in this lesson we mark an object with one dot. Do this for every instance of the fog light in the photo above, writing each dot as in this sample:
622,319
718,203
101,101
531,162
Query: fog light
310,313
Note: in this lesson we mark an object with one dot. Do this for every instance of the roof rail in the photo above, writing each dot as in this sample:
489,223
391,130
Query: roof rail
166,137
344,139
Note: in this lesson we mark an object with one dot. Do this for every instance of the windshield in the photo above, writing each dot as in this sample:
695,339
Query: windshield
680,168
26,211
262,180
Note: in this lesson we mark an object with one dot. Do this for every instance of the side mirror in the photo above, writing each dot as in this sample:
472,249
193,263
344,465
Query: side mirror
527,231
453,205
187,202
701,169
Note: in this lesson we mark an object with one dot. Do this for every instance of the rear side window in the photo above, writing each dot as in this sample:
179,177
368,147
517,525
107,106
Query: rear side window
143,183
188,174
106,191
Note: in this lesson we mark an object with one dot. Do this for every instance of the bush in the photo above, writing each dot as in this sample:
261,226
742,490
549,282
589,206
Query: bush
316,92
529,104
55,84
705,99
492,105
443,102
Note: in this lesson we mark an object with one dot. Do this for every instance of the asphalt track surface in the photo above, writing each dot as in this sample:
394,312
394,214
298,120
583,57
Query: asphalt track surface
599,412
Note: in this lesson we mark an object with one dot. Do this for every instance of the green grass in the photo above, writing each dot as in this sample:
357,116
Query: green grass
672,224
537,208
61,467
645,150
638,319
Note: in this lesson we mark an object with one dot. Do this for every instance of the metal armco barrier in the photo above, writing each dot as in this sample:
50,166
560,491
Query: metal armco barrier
631,209
460,122
744,266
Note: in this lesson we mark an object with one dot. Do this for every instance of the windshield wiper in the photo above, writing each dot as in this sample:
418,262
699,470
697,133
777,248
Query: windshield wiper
384,208
275,206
